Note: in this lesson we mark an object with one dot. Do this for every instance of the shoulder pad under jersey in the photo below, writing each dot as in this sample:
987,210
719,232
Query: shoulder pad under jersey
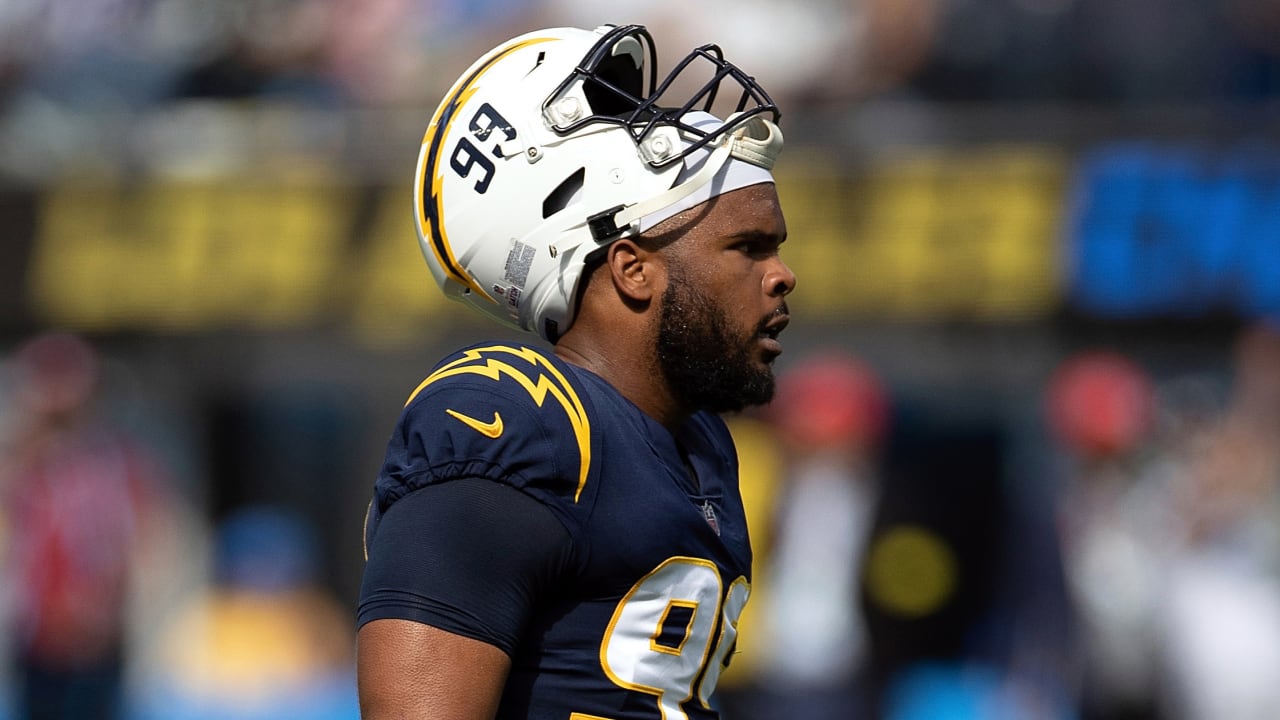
505,412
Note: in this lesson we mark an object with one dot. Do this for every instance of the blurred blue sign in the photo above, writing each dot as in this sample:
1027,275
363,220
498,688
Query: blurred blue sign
1162,231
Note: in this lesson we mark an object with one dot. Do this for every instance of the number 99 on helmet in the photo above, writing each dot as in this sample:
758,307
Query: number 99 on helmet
558,142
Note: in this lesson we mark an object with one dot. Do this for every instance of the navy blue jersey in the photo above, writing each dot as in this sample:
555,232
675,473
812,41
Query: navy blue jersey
643,612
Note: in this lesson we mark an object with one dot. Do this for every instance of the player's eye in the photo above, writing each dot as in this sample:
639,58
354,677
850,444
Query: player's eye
756,247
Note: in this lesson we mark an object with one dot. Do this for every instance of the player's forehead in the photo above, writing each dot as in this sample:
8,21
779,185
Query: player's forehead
752,210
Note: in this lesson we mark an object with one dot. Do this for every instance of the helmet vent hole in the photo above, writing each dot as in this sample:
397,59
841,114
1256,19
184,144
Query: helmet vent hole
564,193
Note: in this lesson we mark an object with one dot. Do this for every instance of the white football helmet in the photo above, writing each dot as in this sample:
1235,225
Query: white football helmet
558,142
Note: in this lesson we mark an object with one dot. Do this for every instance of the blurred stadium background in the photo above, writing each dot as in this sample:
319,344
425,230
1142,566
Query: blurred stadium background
215,195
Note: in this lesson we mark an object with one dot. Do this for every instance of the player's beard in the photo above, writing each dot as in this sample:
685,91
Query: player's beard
706,364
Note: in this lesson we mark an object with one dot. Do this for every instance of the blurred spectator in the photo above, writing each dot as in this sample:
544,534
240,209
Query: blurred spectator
1100,404
271,50
896,39
1172,535
79,499
803,50
806,640
265,642
368,51
1221,621
1113,517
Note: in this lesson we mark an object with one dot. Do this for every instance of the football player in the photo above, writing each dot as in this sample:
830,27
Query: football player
557,532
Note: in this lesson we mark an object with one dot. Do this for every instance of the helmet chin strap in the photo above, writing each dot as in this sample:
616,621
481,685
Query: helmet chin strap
631,215
616,221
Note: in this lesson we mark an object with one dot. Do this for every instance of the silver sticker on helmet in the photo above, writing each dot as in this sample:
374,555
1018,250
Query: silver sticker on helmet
519,260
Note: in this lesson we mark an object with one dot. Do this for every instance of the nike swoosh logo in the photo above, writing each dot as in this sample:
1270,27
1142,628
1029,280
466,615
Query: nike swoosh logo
488,429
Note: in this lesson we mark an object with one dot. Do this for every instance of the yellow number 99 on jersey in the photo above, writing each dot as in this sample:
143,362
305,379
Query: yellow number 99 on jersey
663,638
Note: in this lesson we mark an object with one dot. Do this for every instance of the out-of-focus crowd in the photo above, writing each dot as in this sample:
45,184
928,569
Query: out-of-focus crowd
75,74
111,55
119,596
1136,564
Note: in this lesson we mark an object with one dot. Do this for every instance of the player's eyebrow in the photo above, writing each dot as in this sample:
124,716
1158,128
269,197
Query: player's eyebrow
757,236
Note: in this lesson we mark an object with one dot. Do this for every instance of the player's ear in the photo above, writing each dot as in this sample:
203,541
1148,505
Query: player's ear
636,271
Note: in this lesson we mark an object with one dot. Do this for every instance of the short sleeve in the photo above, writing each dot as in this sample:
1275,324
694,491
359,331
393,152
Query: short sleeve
470,556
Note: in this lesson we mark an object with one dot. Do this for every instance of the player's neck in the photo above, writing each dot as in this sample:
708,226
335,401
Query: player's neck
633,372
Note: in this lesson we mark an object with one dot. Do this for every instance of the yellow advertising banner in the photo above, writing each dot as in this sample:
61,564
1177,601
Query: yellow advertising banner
964,233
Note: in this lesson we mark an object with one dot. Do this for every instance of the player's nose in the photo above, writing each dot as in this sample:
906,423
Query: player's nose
779,280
